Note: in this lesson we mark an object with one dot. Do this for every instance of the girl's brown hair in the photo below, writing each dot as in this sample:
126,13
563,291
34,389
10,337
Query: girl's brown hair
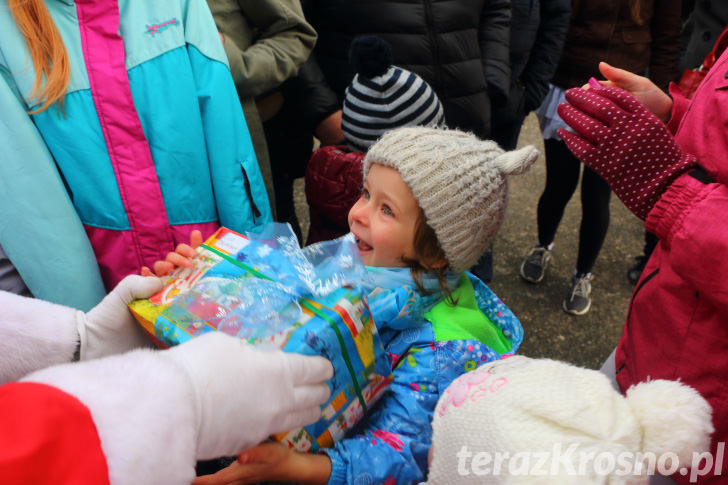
47,51
429,257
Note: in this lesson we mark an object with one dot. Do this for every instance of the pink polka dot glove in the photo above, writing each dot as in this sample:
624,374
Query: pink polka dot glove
629,147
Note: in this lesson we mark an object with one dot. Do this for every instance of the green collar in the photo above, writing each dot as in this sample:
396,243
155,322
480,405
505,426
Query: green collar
466,321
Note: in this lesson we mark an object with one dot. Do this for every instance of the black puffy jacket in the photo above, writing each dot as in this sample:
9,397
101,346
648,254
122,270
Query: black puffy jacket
538,31
460,47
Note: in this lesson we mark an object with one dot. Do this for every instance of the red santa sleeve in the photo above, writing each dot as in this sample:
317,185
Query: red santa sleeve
48,436
131,418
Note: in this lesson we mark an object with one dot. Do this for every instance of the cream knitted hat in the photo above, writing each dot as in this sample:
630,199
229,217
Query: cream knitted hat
458,180
548,422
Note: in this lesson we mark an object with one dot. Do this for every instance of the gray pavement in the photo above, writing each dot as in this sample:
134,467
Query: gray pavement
549,332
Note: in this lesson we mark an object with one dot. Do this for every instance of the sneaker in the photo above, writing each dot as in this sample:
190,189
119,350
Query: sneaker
533,268
577,301
634,273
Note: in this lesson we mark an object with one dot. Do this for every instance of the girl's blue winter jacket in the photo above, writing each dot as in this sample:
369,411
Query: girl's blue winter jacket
392,443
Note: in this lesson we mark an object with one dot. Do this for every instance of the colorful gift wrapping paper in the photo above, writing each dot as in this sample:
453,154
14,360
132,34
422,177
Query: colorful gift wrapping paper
265,289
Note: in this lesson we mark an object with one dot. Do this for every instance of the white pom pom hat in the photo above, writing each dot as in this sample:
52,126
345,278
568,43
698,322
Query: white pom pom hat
548,422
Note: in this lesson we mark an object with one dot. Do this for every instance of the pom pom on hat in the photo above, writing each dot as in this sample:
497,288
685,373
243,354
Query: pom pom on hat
675,418
459,181
570,416
370,56
382,97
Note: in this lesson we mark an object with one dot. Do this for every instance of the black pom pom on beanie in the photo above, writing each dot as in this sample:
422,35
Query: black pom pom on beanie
370,56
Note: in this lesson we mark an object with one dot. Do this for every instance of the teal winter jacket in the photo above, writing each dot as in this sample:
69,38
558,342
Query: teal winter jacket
151,143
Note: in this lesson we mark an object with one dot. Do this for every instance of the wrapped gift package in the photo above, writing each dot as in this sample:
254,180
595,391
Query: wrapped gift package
266,290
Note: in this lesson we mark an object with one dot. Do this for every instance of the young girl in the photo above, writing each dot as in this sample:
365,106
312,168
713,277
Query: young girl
639,35
432,202
121,132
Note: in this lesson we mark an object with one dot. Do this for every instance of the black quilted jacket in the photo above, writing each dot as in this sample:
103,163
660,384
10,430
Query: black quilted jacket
460,47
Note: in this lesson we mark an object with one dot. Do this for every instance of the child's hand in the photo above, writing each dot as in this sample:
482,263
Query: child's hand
271,461
182,256
646,92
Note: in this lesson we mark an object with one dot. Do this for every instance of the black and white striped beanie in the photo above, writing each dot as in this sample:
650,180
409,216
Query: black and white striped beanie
383,98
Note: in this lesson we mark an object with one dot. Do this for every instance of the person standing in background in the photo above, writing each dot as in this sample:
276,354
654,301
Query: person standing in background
265,42
381,97
460,48
538,31
641,36
310,109
269,44
701,31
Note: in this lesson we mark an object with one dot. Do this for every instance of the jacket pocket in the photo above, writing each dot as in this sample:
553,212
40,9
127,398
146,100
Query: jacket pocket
249,193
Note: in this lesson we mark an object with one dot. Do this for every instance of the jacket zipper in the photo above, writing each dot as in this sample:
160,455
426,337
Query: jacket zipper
249,193
631,302
429,21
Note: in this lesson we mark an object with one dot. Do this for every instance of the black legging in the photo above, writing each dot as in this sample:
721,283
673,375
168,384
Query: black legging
562,177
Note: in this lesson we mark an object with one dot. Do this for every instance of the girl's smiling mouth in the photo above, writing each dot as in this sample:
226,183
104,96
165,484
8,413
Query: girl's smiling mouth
363,246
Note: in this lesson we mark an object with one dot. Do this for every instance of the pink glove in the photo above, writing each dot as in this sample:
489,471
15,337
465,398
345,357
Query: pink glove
629,147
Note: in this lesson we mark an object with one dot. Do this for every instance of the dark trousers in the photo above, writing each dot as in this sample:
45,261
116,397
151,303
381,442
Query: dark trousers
562,177
290,143
506,121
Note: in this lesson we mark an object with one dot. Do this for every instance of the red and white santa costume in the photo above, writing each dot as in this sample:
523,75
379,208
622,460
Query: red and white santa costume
144,416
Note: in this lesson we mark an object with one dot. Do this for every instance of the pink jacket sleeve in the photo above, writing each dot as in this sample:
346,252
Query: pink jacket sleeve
688,219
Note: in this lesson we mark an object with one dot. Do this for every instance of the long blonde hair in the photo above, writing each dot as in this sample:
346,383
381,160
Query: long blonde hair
47,52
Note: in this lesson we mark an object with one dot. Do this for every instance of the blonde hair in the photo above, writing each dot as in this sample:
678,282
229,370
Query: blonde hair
47,51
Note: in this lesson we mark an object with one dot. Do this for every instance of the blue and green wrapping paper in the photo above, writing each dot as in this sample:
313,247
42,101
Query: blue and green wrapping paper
265,289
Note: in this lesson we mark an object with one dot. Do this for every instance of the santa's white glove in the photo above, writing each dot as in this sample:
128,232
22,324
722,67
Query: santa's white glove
35,334
109,327
244,394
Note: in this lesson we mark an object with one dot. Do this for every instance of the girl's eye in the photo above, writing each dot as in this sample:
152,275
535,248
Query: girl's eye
365,194
387,211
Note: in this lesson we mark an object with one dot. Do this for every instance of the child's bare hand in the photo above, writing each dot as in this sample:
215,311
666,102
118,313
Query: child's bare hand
271,461
646,92
182,256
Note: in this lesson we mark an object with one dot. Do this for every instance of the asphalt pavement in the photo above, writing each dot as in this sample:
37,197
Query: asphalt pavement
550,332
